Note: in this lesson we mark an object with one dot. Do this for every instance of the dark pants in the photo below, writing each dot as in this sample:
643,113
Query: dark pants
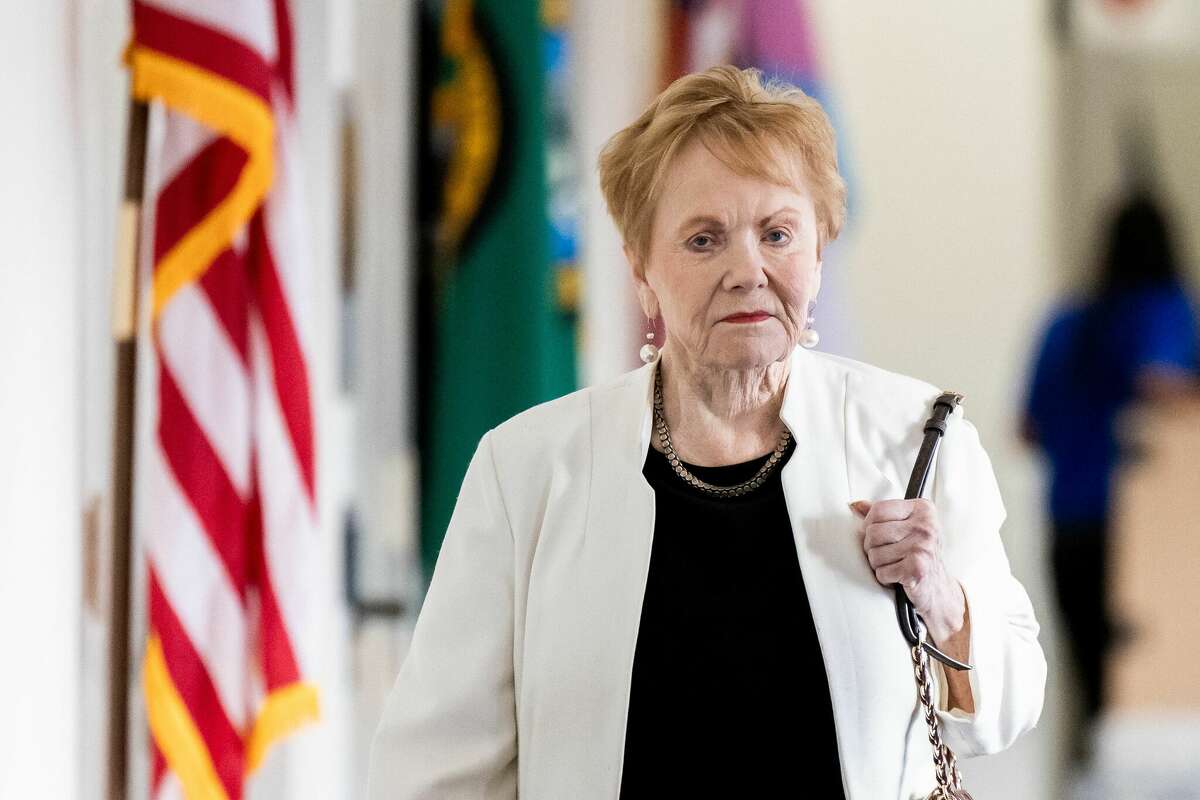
1081,584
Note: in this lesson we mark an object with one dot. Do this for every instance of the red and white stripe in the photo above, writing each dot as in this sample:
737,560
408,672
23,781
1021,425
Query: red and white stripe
229,486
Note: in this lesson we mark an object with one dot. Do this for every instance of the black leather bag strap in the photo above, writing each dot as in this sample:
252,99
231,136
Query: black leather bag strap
935,428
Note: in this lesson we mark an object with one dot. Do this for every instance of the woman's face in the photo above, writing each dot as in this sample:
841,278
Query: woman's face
732,263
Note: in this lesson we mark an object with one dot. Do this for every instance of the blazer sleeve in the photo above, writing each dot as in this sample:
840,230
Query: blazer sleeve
1009,678
449,726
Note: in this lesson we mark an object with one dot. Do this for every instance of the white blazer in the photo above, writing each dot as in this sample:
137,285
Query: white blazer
517,681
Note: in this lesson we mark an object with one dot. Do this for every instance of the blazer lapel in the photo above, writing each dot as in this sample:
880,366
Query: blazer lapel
866,659
617,542
816,490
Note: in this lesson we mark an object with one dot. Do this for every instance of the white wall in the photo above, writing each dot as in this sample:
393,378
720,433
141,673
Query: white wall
40,462
382,91
618,45
383,102
1101,90
102,96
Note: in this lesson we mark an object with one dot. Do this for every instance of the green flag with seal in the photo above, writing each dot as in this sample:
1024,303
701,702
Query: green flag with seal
499,285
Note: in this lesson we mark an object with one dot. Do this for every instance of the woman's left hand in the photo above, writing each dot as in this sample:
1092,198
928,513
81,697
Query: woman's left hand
902,541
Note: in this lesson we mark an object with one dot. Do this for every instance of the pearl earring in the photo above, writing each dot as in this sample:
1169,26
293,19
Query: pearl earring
809,336
649,351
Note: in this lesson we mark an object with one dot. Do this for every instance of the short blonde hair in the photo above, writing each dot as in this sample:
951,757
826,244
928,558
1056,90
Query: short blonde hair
746,123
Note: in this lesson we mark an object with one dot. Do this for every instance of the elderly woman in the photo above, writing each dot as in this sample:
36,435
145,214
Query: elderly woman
678,584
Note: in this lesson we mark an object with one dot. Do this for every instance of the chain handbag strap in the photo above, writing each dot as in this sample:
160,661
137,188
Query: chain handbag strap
945,767
949,780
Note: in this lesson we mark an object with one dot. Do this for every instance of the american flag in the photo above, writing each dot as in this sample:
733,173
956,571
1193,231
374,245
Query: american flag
228,490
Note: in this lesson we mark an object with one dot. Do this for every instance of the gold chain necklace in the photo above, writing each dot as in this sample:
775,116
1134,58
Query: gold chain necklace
737,490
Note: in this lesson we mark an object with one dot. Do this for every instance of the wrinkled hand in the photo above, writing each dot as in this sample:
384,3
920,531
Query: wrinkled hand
902,541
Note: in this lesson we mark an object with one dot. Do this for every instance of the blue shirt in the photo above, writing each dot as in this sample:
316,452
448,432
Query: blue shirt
1085,373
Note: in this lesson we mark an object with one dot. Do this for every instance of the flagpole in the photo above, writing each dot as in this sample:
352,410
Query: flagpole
124,321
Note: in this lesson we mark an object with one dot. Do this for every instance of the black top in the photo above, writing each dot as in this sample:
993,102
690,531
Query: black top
729,696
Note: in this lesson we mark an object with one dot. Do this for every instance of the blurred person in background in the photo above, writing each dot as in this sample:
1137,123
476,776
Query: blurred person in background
680,583
1134,338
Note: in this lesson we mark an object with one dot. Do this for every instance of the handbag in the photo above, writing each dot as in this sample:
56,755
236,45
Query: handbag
949,780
